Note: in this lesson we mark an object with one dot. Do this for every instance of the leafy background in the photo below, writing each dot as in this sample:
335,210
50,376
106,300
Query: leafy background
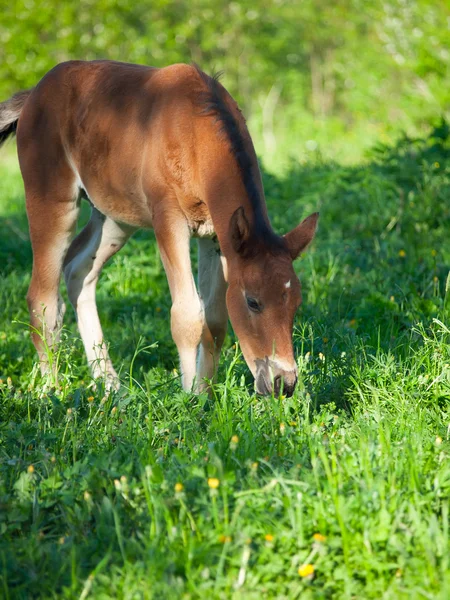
337,74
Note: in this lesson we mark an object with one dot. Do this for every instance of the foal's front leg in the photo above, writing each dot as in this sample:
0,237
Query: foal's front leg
212,287
187,314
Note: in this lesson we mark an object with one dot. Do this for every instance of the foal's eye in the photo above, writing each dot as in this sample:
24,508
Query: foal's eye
253,304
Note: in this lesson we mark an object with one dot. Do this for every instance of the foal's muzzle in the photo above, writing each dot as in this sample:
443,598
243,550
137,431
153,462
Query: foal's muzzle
270,378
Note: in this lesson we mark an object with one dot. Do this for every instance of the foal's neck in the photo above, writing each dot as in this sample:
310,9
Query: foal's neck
225,191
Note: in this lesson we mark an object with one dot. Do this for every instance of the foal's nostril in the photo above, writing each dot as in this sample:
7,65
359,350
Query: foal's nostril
277,384
290,387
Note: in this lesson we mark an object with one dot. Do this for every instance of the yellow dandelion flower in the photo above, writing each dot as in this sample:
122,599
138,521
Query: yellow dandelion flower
178,487
353,322
325,340
434,252
223,539
318,537
90,399
269,537
9,381
53,459
30,469
114,410
235,439
402,253
69,411
255,465
436,165
435,279
282,428
321,356
306,570
87,496
213,483
438,440
61,540
158,309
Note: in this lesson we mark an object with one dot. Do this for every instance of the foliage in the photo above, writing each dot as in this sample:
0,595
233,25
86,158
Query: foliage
339,492
312,70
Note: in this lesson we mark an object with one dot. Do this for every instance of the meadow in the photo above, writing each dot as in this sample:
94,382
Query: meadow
341,491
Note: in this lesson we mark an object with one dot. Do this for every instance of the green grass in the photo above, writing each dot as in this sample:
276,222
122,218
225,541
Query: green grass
360,454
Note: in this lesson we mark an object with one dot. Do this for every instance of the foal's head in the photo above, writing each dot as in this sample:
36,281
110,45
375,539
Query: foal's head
263,296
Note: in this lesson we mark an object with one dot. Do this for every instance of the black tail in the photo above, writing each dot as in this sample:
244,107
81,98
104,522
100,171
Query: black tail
10,113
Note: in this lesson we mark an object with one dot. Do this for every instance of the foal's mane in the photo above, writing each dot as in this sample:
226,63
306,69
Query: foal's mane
214,102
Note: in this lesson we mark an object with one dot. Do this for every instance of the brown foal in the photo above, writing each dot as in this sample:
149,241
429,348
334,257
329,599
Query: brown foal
166,149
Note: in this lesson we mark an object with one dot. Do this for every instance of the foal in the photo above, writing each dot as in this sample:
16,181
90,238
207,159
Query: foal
166,149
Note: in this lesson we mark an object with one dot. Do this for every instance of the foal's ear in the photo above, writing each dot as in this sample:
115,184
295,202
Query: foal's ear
239,230
299,238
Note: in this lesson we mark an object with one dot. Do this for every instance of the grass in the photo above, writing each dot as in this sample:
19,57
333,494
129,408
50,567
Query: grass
339,492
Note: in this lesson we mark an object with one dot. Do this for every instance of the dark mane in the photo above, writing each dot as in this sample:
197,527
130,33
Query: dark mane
214,103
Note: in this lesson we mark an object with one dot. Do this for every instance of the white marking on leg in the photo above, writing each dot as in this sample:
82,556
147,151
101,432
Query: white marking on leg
287,285
82,273
187,322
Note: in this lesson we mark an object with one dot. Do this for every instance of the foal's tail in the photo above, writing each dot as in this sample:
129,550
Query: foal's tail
10,113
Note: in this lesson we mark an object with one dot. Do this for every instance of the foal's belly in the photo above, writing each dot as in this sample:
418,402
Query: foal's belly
112,178
118,194
125,190
134,208
131,209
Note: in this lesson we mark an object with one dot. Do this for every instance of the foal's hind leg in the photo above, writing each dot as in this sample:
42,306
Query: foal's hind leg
52,220
212,290
100,239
